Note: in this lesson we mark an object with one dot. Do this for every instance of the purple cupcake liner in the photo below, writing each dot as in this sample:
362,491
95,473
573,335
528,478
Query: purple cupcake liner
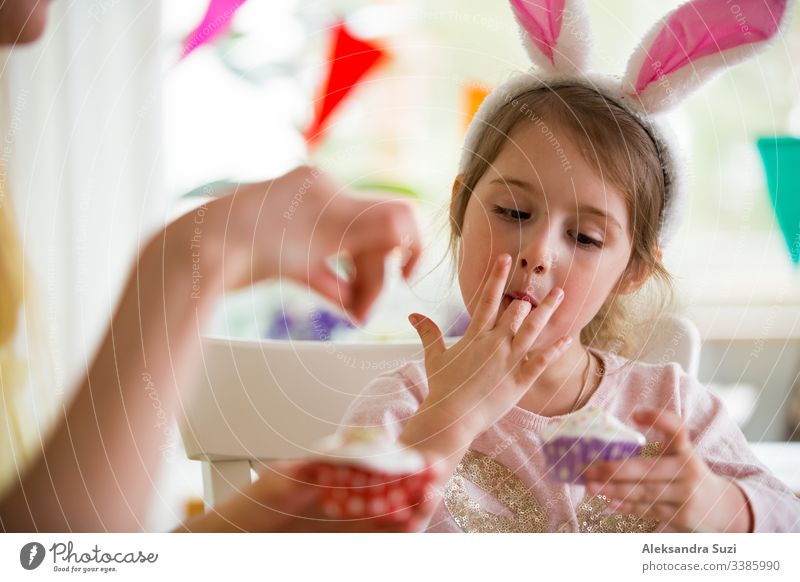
567,457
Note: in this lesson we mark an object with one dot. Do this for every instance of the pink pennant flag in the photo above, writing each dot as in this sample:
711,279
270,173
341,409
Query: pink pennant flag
218,17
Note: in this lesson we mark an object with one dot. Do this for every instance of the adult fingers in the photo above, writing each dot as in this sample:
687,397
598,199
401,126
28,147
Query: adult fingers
322,522
429,334
536,320
367,282
485,314
424,502
411,256
330,286
279,500
385,225
411,241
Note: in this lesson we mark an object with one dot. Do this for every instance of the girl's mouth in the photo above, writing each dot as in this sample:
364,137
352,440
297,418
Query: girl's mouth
509,297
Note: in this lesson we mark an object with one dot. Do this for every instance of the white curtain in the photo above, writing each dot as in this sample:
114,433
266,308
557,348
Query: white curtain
83,144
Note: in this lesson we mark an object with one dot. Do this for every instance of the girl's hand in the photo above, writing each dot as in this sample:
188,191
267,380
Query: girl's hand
677,488
480,378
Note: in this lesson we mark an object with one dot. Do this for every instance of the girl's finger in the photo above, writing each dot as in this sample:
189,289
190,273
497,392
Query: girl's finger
536,362
635,469
640,491
513,316
663,512
676,436
536,320
430,335
491,296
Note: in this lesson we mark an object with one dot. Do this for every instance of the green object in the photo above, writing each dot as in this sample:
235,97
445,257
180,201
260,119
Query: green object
781,157
211,189
387,187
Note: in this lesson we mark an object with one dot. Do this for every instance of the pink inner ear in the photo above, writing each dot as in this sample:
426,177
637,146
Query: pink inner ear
542,21
707,27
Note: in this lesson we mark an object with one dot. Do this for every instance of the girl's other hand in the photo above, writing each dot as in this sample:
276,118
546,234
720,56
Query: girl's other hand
480,378
677,488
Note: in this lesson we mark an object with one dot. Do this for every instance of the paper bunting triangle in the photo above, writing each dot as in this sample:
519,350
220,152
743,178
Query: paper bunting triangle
781,157
218,16
350,60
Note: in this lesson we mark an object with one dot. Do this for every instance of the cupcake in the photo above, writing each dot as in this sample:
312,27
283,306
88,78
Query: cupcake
587,435
365,474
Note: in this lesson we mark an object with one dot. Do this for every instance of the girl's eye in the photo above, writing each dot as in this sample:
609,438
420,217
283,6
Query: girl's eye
586,241
511,213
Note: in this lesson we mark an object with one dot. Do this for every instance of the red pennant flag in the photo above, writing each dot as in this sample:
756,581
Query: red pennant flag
350,60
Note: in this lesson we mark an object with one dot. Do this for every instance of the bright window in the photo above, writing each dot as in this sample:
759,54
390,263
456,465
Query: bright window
233,111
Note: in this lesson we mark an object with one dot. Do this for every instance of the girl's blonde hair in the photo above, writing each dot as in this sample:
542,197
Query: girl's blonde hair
625,153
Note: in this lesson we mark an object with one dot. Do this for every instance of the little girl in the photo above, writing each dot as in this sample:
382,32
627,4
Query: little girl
566,194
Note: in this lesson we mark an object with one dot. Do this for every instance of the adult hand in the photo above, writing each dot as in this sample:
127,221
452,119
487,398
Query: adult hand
286,227
283,500
677,487
292,226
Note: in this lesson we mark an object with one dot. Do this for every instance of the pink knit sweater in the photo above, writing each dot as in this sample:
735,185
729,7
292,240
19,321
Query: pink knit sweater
498,486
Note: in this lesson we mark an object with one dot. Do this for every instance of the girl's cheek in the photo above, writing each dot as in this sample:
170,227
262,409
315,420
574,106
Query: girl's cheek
470,281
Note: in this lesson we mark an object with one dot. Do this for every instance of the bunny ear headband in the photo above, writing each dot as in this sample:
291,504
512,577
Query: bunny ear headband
682,51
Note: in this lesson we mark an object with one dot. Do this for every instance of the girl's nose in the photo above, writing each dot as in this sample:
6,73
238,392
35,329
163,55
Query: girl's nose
538,269
536,250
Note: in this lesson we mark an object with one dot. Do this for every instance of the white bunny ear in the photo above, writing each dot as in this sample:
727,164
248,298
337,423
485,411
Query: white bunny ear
555,33
694,42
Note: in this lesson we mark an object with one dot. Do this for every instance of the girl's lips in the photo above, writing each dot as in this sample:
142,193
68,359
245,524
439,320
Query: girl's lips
509,297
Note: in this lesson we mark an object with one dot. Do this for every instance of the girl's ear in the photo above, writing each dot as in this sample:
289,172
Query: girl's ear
693,43
555,33
633,278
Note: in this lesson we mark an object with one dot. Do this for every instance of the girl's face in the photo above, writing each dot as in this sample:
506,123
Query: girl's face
562,224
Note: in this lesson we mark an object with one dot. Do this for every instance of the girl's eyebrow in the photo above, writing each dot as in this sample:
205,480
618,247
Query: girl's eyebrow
513,182
601,213
586,209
